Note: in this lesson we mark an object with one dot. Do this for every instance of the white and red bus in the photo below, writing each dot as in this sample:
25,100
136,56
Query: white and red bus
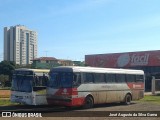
86,86
29,86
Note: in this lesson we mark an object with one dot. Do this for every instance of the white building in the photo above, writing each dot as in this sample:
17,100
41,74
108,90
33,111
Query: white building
20,44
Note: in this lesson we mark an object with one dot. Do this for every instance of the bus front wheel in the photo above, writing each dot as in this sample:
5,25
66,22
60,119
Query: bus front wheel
128,99
88,102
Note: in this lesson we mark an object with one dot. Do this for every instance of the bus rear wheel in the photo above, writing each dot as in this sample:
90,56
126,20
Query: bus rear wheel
88,102
127,100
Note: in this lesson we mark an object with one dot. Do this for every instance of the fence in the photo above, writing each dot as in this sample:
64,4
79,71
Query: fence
155,85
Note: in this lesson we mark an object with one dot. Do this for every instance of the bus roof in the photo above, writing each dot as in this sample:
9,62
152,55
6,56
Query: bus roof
34,70
96,70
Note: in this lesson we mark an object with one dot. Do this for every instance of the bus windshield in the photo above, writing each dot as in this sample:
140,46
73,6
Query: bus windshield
22,83
61,80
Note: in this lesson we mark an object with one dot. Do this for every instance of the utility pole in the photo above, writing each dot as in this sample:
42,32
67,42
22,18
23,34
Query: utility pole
46,53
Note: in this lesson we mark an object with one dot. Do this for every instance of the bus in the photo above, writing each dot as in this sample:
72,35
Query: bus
29,86
85,86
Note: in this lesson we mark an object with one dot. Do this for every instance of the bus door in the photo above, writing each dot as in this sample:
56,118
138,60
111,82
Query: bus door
39,88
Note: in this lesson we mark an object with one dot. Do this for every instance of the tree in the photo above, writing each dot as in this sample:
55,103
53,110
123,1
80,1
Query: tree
6,68
4,79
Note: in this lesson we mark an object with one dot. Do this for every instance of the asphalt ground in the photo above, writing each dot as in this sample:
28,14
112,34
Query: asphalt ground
143,110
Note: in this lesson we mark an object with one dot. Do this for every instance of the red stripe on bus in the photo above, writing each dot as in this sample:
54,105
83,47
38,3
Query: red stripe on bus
74,102
136,85
78,101
67,91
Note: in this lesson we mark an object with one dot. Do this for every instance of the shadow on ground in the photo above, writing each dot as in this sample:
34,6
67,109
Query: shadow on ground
52,108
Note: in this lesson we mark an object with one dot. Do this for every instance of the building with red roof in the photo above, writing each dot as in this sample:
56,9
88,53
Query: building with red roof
49,62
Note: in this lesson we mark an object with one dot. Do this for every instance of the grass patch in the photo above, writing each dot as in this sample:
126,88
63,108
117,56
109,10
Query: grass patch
5,88
151,99
6,102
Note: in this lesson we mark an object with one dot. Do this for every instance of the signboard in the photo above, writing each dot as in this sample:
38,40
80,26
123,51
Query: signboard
122,60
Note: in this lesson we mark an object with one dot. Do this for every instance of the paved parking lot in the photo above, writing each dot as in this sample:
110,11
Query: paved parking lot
51,113
141,108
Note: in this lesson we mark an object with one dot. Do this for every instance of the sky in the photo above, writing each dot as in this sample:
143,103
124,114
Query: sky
71,29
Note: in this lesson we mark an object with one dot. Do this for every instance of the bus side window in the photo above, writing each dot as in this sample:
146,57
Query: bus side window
76,79
110,78
130,78
120,78
88,78
36,80
139,78
99,78
45,80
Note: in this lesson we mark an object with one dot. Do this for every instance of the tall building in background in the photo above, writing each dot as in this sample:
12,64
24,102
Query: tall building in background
20,44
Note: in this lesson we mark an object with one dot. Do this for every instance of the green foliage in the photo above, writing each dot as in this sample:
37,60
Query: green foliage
7,67
4,79
79,63
151,99
6,102
22,66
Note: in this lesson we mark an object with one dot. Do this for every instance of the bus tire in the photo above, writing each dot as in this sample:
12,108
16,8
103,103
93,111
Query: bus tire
88,102
127,100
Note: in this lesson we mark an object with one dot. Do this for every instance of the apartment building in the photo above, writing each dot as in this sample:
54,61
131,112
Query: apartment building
20,44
